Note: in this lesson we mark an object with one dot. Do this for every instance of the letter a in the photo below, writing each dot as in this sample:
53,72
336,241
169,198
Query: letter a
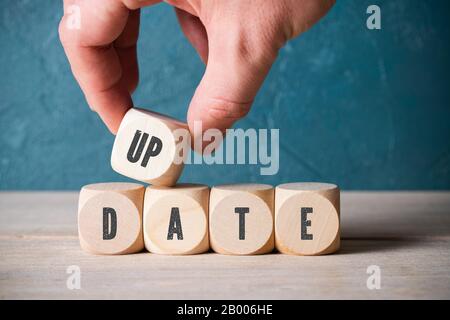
175,224
374,20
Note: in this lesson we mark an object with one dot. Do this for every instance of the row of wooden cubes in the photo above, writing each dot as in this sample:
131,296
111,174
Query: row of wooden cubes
243,219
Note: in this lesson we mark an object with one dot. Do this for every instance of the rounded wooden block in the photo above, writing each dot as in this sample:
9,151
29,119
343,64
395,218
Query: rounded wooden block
147,147
307,218
241,219
110,218
176,219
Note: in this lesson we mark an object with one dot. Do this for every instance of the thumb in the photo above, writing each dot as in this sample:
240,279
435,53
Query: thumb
235,71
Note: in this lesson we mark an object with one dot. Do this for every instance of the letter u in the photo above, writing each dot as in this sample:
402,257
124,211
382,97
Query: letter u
134,154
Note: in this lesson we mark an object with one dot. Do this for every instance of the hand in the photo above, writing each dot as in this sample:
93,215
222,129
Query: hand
238,40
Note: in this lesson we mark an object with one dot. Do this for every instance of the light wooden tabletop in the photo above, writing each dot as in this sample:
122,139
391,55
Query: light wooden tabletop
406,234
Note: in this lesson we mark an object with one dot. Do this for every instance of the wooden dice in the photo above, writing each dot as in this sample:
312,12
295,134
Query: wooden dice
110,218
150,147
307,218
241,219
176,219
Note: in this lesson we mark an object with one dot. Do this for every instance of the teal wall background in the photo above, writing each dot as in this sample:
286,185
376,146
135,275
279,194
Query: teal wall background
364,109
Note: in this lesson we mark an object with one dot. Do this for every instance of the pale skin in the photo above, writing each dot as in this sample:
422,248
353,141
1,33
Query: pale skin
238,40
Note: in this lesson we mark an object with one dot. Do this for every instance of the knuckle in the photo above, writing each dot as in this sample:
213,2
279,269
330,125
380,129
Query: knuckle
221,108
62,31
67,36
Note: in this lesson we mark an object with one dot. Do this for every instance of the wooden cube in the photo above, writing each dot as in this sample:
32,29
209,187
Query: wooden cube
307,218
241,219
110,218
176,219
148,147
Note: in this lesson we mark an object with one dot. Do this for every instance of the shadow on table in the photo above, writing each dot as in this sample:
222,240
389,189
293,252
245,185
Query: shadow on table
374,244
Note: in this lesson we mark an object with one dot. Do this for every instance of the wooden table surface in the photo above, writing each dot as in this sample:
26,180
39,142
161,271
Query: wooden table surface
406,234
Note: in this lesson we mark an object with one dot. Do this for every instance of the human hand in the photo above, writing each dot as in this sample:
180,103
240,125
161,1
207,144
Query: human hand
238,40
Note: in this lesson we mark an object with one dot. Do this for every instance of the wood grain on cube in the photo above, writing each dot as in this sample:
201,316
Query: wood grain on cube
110,218
176,219
307,218
148,147
241,219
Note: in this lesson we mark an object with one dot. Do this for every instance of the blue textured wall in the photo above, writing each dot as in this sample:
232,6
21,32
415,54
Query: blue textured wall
365,109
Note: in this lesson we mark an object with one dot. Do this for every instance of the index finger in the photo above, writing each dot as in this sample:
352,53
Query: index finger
87,31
